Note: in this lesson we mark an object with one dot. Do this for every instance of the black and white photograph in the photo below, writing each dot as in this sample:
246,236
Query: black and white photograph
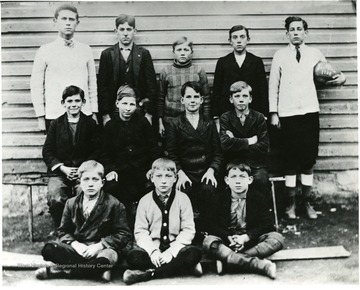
179,143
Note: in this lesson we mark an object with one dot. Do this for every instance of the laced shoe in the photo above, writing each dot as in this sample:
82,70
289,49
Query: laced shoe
106,276
50,273
135,276
310,212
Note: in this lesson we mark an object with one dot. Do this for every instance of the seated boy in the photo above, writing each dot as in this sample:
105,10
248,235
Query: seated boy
192,141
172,78
244,135
129,148
164,229
93,230
243,231
72,139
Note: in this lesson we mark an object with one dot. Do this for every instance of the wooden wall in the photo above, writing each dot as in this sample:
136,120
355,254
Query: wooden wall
27,25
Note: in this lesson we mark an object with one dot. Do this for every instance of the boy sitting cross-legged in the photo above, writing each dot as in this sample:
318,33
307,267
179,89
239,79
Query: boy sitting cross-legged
92,233
244,231
164,229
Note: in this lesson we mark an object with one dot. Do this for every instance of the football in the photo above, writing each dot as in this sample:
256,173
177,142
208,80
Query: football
324,71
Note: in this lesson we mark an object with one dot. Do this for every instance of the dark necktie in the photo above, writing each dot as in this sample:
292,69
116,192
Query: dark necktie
298,55
163,199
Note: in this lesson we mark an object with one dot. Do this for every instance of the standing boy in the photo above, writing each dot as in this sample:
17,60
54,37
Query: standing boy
193,143
59,64
244,135
93,231
164,229
173,76
125,63
243,233
294,108
71,140
239,65
129,148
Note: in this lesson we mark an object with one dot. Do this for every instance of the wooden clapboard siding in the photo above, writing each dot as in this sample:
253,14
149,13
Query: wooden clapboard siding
26,26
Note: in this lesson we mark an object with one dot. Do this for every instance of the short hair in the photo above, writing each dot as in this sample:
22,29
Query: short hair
165,164
238,87
123,18
126,91
191,84
236,164
291,19
91,165
72,91
181,40
70,7
239,27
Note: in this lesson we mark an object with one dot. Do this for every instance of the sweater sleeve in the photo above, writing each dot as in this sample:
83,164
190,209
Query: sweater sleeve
37,83
187,227
93,98
274,84
141,228
205,92
163,87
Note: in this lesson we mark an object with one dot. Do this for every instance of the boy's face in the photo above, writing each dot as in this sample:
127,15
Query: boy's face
125,34
191,100
239,40
238,180
296,33
183,52
163,180
73,105
241,100
66,23
91,183
127,107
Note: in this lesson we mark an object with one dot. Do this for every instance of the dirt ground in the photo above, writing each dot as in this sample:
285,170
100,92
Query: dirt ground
336,225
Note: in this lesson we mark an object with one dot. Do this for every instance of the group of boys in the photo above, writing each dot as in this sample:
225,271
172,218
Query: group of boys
172,195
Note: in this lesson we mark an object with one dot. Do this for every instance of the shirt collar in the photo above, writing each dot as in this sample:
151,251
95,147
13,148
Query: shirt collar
235,196
121,46
245,113
62,40
292,47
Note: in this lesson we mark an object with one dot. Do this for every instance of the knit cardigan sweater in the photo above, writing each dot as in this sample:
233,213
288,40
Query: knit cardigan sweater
151,218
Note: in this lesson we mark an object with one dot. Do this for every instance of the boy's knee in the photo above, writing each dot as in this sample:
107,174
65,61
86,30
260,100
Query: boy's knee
274,237
109,254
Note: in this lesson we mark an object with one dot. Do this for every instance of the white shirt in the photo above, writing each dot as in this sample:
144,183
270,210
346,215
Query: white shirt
240,58
291,85
57,66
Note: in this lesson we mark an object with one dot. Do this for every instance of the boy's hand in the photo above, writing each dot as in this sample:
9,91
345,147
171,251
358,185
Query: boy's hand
182,179
274,120
106,118
337,80
229,133
166,257
253,140
239,241
93,250
155,258
70,172
161,128
41,123
111,176
209,176
80,248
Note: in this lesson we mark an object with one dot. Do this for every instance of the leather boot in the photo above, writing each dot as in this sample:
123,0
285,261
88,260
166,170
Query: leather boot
244,263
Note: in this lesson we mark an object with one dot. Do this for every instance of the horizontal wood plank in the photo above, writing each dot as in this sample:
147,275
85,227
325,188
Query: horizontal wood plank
173,8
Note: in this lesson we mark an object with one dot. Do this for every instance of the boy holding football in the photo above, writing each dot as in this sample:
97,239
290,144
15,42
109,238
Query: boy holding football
294,108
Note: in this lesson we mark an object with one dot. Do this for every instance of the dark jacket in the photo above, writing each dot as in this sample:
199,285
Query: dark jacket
194,151
131,143
227,72
258,217
107,223
109,78
238,147
59,148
